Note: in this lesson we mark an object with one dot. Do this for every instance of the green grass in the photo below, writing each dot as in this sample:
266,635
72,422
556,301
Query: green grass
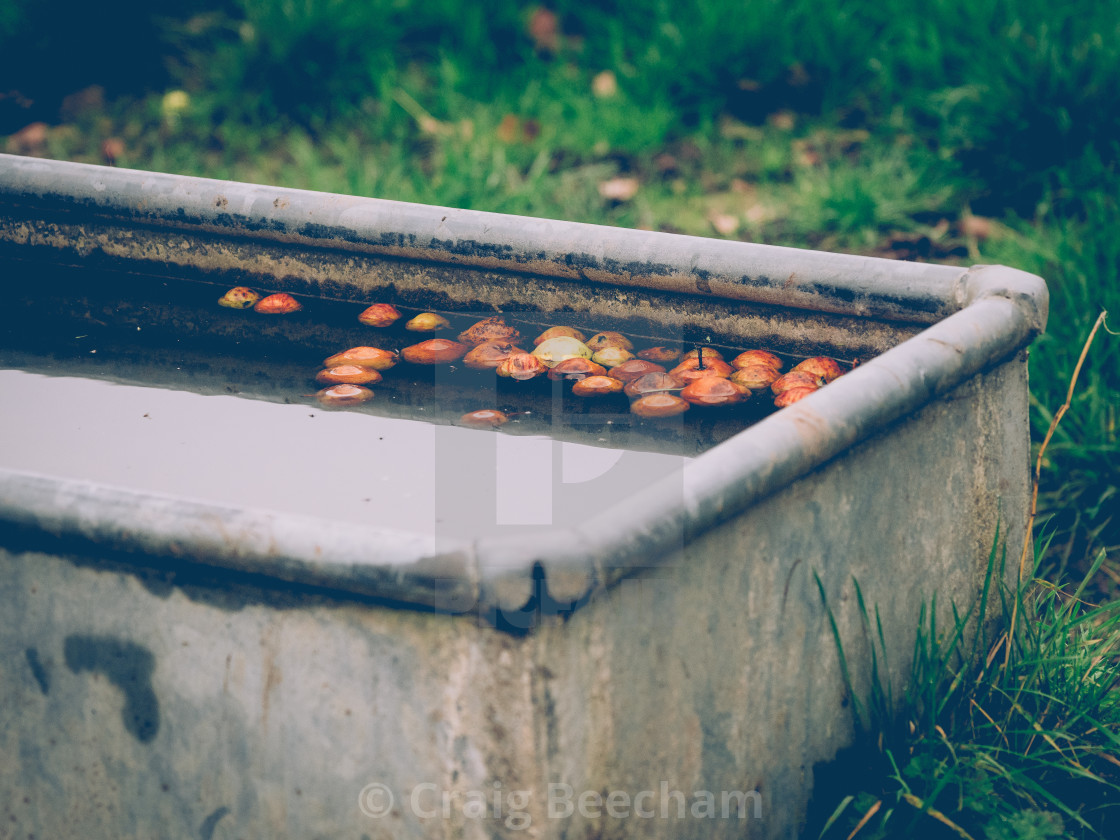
1011,735
1081,478
961,132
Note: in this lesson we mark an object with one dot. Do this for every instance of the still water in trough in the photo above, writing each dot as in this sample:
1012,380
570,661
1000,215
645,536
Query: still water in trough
350,466
147,383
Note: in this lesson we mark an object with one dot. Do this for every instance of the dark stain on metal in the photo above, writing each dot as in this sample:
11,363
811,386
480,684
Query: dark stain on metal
129,667
221,201
789,579
206,830
473,248
879,301
38,670
702,281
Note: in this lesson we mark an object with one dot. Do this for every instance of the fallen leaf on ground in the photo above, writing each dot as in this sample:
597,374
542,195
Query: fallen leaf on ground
112,148
619,189
758,214
509,129
783,120
732,129
724,223
85,101
804,154
544,29
976,226
29,139
513,129
605,85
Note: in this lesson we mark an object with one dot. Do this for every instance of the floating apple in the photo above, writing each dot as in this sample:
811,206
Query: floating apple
601,341
652,383
380,315
659,405
756,357
559,332
576,369
755,377
434,351
796,379
661,355
612,356
489,354
521,366
239,297
369,357
597,386
490,329
698,367
707,353
713,391
348,375
631,369
427,322
344,395
792,395
279,304
822,366
556,350
485,418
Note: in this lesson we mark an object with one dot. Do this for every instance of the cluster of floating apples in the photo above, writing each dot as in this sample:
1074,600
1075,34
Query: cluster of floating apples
600,365
242,297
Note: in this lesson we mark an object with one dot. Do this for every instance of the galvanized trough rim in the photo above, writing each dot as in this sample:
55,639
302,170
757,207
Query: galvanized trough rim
978,318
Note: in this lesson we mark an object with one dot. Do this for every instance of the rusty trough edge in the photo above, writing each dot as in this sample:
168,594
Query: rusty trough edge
791,277
982,315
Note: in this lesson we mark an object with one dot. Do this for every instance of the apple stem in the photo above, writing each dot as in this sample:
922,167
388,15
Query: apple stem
700,356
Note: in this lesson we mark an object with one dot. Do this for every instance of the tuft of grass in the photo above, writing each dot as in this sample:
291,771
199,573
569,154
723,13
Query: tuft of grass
1011,736
1020,742
1079,257
883,188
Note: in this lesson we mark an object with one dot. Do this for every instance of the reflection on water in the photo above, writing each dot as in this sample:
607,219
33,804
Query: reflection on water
349,466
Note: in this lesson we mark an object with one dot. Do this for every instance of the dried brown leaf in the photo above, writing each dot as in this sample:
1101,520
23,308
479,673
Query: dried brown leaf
544,29
605,85
619,189
725,223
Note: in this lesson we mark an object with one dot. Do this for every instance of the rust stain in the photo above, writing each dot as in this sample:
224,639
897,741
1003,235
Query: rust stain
221,201
280,203
812,428
951,346
273,676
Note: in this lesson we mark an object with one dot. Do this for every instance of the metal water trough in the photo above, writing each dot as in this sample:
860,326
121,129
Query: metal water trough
657,665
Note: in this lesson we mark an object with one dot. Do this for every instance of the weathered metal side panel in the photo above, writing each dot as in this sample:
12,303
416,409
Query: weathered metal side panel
717,671
130,709
135,706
